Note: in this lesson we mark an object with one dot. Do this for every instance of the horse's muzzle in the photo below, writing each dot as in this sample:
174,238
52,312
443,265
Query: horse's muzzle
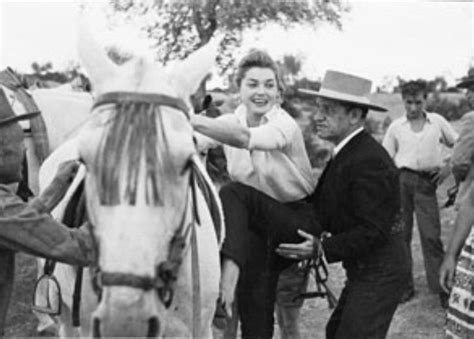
128,312
153,328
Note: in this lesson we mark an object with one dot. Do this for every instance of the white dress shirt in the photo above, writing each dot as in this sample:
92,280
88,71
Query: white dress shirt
421,150
344,141
275,162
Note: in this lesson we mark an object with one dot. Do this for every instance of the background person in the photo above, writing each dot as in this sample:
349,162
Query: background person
457,269
28,226
415,141
457,273
463,151
264,149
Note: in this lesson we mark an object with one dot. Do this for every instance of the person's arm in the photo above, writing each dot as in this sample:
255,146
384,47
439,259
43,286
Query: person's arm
55,192
449,134
224,129
463,151
373,193
30,229
463,225
276,134
449,138
43,236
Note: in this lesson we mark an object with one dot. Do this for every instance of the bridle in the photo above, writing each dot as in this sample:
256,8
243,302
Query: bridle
166,272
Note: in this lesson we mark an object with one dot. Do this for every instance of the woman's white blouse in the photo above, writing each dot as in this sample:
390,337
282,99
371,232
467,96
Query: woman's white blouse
275,162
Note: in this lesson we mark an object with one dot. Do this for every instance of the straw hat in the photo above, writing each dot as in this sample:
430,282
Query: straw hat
7,115
468,80
347,88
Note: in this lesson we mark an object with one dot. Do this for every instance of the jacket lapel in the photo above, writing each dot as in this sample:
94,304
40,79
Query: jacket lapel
349,148
346,151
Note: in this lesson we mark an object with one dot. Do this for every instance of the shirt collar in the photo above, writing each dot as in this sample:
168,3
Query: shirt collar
241,112
344,141
405,119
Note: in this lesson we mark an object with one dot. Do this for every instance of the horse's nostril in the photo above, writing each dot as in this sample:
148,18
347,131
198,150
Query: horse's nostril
96,328
153,327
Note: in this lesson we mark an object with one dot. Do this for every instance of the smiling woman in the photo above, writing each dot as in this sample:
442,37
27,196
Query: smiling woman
265,150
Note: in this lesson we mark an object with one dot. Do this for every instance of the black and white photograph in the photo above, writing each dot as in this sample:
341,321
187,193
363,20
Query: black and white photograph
293,169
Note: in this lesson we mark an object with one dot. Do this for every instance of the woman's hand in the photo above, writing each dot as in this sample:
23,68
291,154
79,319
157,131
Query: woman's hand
446,273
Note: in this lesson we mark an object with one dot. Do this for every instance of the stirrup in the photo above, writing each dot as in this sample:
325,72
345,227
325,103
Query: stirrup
47,278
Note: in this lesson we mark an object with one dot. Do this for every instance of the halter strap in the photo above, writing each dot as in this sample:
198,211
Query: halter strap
151,98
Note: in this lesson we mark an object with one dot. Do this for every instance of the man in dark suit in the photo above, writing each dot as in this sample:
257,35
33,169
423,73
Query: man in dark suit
357,201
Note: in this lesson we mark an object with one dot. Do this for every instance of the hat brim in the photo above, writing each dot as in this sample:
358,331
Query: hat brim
336,96
16,118
466,82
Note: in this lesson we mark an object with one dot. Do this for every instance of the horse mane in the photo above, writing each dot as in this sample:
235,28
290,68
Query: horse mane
132,135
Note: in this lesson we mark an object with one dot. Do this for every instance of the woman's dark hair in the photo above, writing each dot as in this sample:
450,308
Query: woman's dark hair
260,59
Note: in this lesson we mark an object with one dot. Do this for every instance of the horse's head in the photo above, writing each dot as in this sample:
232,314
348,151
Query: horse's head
137,149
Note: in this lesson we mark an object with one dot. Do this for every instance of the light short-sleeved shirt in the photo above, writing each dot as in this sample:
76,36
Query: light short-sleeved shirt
275,162
421,150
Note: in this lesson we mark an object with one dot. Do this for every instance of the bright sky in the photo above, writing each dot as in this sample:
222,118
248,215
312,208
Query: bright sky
410,38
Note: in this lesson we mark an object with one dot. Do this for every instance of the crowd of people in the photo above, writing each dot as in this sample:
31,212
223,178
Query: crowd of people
278,214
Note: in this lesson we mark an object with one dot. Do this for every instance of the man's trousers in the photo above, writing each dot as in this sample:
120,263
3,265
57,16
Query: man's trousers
418,196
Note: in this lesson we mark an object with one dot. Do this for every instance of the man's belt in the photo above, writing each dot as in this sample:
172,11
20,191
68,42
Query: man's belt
425,174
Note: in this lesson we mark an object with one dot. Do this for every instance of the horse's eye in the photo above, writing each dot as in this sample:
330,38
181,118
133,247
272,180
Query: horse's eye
219,103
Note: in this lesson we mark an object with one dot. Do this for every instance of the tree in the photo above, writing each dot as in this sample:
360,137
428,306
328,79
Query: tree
41,68
179,27
438,84
290,67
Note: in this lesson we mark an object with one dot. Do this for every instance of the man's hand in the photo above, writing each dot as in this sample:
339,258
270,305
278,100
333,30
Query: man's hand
460,172
67,171
438,175
301,251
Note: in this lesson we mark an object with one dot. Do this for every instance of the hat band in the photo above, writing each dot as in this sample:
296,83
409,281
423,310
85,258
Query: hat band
344,96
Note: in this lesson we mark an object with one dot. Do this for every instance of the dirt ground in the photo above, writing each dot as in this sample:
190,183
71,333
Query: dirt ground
420,318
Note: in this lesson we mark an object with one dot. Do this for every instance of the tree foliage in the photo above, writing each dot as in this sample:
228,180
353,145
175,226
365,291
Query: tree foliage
179,27
290,68
41,68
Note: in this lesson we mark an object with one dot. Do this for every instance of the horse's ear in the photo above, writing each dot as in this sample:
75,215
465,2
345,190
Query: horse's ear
93,57
188,74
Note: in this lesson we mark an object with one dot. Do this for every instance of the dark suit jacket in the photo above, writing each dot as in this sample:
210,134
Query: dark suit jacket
357,199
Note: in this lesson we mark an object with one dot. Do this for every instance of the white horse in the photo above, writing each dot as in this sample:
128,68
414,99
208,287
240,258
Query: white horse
139,161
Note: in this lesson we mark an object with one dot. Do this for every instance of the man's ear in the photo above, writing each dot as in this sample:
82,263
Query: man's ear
355,115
